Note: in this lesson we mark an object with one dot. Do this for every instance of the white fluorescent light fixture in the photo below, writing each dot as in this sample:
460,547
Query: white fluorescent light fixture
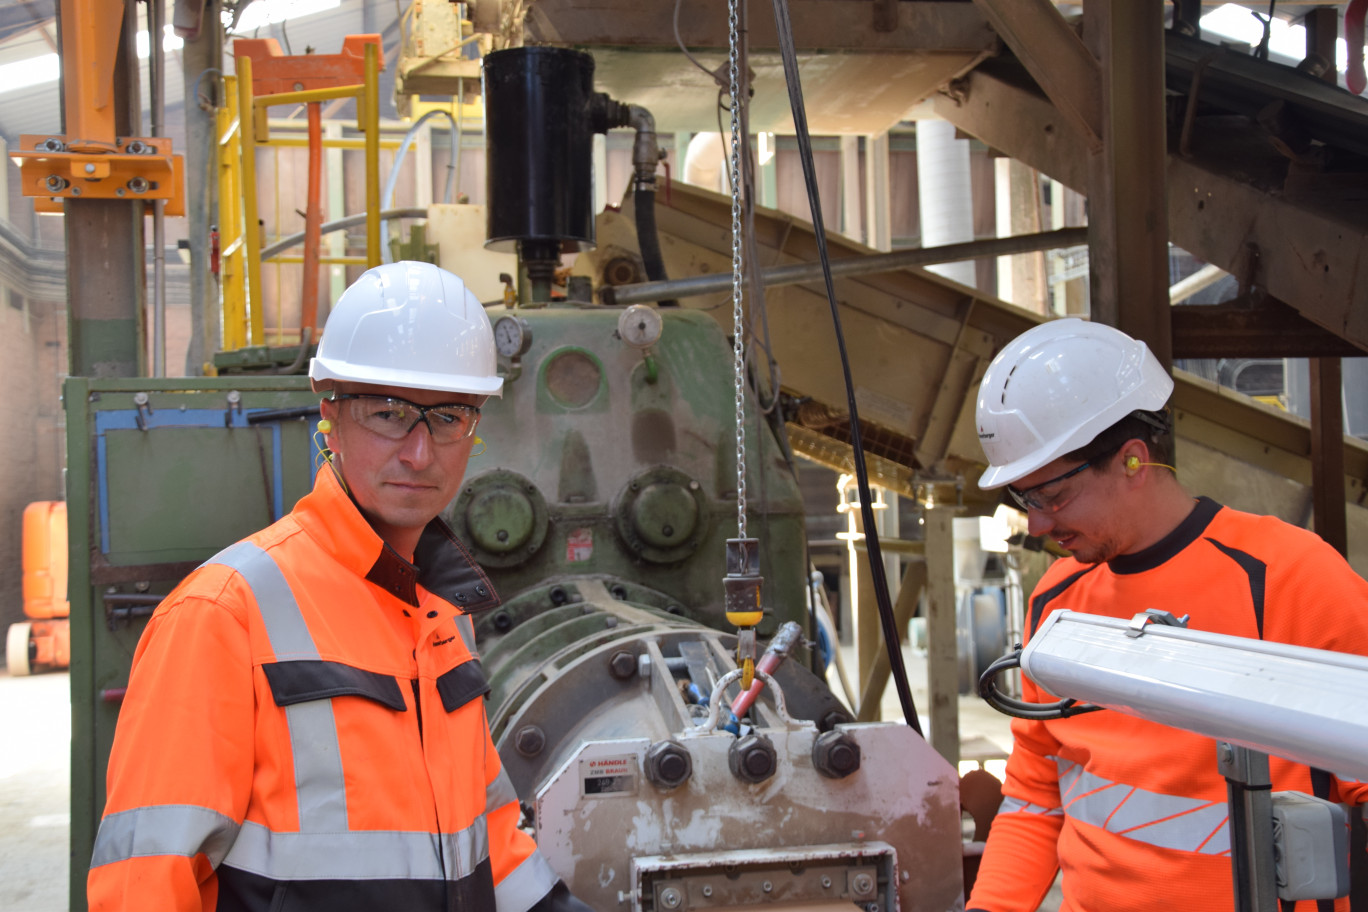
22,74
46,68
1299,703
266,12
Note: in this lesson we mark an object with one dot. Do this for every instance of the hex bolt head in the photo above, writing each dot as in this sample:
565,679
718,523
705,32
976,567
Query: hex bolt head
670,898
832,719
623,664
862,884
668,764
559,596
502,622
752,758
138,184
529,741
55,183
835,755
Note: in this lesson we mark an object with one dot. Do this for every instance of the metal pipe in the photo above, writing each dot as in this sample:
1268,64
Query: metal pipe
372,127
796,273
349,221
313,222
156,25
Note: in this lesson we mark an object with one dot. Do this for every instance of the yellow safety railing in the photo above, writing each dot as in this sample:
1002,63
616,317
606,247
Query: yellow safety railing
239,136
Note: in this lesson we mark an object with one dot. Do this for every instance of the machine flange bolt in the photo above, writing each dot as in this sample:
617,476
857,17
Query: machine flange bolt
752,758
671,898
832,719
668,764
862,884
55,183
622,665
529,741
835,755
138,184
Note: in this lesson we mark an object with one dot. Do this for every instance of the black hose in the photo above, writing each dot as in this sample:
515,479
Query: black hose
892,639
648,238
1011,706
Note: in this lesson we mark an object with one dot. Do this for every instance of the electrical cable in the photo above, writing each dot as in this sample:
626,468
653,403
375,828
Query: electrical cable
1011,706
680,42
892,640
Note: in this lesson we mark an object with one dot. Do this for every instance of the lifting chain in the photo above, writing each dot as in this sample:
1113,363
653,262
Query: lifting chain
742,582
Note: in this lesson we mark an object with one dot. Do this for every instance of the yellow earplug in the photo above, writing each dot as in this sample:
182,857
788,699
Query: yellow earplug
324,426
1132,463
478,447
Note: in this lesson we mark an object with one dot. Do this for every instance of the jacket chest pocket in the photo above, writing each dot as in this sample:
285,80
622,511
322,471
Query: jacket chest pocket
305,680
462,684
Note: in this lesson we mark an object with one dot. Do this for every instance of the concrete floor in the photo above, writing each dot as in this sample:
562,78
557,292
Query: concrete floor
35,760
35,782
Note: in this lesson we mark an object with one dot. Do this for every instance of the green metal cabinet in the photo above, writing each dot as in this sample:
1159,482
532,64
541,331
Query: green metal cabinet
162,474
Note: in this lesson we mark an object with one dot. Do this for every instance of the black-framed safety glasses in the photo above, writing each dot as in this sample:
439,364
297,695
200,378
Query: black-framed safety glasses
394,418
1037,498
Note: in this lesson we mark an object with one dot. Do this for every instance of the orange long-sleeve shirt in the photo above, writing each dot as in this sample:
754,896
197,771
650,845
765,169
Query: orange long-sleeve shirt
1131,812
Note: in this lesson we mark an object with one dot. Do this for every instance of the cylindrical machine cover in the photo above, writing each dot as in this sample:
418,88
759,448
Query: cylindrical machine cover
539,141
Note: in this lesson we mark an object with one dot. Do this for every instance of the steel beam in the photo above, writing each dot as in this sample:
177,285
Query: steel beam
1269,330
1056,57
1128,230
1327,453
1311,238
942,641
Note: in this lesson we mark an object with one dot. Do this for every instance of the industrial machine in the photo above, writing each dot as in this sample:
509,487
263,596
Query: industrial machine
605,509
43,641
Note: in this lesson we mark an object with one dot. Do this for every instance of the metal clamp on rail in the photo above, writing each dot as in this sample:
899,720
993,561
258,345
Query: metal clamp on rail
1154,616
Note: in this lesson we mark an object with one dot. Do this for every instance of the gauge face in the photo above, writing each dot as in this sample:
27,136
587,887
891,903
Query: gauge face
512,337
640,325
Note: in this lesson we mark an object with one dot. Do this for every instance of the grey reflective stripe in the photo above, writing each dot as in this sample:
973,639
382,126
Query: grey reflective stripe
1017,806
525,885
500,792
464,851
167,829
358,855
285,626
1165,821
320,788
467,628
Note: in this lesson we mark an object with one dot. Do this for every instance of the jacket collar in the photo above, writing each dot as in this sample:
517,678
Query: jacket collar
441,565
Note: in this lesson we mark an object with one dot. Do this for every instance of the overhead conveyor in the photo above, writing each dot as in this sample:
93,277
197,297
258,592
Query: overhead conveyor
924,344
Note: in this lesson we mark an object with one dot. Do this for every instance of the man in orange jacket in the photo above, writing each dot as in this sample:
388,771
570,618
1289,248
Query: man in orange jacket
1133,814
305,726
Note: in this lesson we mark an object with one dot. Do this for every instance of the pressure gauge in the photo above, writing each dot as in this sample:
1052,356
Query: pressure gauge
640,326
512,336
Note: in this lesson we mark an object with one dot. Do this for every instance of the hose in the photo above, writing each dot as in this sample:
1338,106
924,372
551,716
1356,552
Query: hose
1020,709
387,196
784,28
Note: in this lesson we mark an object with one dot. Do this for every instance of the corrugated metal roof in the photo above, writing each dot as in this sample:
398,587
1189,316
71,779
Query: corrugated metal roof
37,109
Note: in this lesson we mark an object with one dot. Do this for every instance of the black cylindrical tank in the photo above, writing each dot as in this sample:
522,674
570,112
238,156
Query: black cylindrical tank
539,141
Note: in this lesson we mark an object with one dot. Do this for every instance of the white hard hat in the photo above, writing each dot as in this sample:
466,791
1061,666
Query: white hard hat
408,324
1055,387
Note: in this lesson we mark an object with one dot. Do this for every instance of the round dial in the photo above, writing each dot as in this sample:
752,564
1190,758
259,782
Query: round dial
512,336
640,325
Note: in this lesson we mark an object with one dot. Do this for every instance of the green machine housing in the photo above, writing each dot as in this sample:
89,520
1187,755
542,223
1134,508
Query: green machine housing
600,508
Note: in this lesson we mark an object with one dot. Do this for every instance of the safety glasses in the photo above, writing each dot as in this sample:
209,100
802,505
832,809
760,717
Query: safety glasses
393,418
1048,496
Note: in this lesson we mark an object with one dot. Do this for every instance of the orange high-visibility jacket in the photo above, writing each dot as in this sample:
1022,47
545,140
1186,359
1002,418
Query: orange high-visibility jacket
1134,813
305,728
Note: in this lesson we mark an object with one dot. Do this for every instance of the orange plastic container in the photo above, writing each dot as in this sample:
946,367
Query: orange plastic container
45,560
